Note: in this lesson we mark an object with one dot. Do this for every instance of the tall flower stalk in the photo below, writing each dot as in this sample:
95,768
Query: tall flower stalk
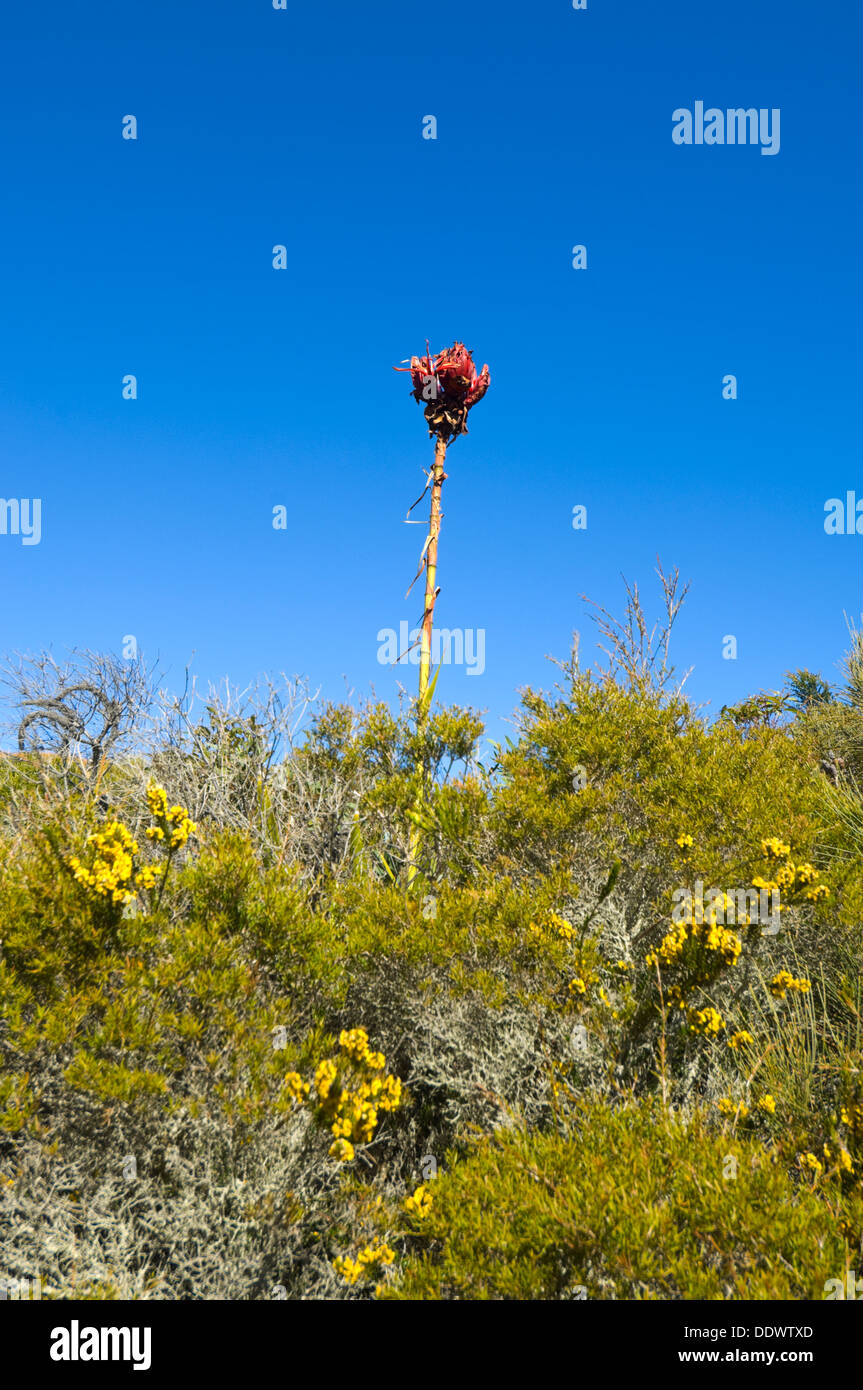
450,386
430,561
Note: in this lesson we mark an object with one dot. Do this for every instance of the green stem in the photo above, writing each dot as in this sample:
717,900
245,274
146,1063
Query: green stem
438,477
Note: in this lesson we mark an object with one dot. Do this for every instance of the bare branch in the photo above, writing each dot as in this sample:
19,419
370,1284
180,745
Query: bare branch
636,653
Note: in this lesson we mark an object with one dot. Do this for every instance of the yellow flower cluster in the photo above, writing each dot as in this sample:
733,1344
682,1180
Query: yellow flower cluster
296,1087
774,848
111,870
111,873
670,947
818,893
555,924
376,1256
685,841
806,873
809,1161
420,1203
853,1118
784,981
708,934
721,939
739,1038
767,1104
844,1161
726,1106
355,1044
356,1118
675,998
350,1110
149,876
791,878
707,1022
172,824
563,928
157,801
325,1075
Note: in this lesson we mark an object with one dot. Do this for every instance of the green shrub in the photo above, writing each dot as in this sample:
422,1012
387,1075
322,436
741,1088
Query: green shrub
629,1204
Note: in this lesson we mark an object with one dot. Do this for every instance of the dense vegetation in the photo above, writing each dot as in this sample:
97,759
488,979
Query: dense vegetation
243,1057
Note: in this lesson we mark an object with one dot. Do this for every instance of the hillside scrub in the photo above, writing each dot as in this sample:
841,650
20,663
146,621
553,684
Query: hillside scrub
244,1053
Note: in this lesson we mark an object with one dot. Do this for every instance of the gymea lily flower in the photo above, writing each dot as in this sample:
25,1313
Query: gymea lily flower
450,385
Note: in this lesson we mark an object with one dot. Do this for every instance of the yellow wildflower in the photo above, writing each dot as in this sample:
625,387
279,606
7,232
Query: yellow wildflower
296,1087
391,1093
354,1040
349,1269
325,1075
157,801
784,981
768,885
379,1253
176,819
149,875
726,1106
775,849
111,868
670,947
705,1021
420,1203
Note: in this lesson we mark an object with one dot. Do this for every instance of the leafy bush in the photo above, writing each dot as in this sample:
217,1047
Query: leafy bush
629,1203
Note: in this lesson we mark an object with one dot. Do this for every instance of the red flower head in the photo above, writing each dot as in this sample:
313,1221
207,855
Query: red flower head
450,385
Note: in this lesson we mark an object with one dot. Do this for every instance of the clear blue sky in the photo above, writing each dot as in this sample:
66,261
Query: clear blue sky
260,387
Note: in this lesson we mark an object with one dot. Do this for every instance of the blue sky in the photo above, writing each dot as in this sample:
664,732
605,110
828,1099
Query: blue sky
259,388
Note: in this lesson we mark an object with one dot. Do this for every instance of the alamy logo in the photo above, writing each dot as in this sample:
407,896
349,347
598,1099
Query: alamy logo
20,1290
449,647
16,519
736,126
738,906
849,1288
844,517
78,1343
